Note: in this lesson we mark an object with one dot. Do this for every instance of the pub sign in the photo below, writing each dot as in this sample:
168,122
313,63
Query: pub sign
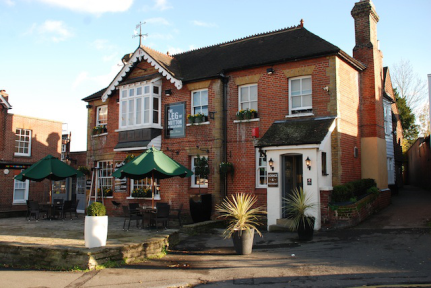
175,120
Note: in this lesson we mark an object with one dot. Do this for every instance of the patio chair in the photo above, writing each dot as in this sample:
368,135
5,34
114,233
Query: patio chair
129,215
58,207
176,215
34,210
134,208
162,215
69,206
116,204
27,215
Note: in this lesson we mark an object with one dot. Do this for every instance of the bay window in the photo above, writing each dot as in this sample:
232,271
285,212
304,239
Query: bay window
140,106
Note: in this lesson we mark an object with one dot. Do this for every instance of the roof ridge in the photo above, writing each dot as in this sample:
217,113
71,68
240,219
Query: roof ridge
161,53
281,30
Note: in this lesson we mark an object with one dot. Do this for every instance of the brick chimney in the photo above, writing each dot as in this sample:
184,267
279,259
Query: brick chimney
366,50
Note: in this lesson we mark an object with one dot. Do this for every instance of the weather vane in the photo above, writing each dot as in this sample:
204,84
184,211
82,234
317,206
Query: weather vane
140,35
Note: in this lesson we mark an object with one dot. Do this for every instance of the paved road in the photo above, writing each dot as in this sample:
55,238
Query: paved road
374,253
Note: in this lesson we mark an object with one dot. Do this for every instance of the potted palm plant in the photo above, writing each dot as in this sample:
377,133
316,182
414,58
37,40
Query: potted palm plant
297,206
243,218
96,226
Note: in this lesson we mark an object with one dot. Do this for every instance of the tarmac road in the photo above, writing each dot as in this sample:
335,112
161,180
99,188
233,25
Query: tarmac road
374,253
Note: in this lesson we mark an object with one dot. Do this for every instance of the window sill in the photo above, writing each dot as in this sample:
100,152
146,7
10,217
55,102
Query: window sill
197,187
197,124
98,135
107,197
19,203
246,120
157,197
22,155
155,126
299,115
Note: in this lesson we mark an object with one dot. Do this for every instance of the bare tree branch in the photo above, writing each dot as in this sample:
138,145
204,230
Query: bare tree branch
409,85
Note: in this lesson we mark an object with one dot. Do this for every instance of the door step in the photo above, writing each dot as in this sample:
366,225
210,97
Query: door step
281,225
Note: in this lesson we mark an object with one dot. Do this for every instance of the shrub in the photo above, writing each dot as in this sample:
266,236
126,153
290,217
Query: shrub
373,190
342,193
96,209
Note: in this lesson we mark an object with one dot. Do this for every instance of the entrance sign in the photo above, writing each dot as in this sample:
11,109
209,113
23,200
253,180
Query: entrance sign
175,120
272,179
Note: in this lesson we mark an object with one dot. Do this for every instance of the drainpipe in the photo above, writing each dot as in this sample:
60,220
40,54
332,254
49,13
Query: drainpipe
224,124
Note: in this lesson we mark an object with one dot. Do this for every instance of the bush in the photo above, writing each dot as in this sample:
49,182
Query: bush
342,193
96,209
373,190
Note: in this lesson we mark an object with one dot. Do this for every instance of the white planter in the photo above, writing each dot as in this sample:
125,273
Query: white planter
95,231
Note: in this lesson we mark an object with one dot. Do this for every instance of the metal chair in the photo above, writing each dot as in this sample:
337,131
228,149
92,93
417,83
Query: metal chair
34,210
162,215
129,215
70,207
177,214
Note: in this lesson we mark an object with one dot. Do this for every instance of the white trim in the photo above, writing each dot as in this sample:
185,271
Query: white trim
197,124
200,95
138,55
98,108
290,95
326,188
193,177
247,120
139,127
291,147
249,101
257,167
156,197
299,115
26,189
28,154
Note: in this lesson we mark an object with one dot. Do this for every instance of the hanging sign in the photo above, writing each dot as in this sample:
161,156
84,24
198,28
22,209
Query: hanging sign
175,120
272,179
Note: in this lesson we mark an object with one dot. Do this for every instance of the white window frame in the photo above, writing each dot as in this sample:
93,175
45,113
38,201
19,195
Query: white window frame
240,103
193,178
193,112
260,166
101,122
20,141
134,107
302,109
24,186
104,175
146,182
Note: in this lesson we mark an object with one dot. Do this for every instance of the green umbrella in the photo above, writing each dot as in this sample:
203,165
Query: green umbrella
48,168
155,164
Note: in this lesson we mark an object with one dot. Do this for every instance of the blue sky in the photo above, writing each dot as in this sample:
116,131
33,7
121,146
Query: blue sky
53,53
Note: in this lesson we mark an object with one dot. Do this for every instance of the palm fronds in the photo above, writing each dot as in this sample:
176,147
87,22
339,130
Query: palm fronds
240,213
297,204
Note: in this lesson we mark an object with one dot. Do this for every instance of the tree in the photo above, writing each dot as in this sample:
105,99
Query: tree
407,118
410,86
424,119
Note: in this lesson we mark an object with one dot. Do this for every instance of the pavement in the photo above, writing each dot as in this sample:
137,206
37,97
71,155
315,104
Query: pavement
390,249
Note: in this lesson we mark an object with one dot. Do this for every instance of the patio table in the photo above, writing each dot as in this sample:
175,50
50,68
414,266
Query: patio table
147,213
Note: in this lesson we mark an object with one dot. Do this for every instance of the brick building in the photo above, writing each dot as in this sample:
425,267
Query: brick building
319,119
24,141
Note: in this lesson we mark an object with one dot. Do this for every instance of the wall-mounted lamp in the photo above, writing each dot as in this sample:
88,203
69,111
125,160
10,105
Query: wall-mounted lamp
88,106
271,164
269,71
326,88
308,163
212,114
168,92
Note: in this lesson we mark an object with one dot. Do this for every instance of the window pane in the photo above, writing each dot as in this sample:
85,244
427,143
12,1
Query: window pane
253,105
139,91
204,110
146,116
146,103
131,92
131,110
244,94
306,86
295,89
204,98
19,194
296,101
155,116
138,110
306,100
196,99
156,90
253,93
245,105
147,90
124,94
123,113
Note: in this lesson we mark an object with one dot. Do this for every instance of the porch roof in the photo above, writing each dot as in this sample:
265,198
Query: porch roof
296,132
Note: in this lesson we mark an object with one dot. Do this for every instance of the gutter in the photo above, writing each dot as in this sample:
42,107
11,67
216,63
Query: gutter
224,125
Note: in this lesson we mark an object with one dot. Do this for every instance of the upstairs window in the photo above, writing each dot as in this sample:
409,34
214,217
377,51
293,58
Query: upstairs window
300,99
102,115
200,102
139,106
22,142
248,97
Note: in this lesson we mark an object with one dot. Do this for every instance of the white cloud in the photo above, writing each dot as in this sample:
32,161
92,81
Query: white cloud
9,2
173,50
85,78
55,30
50,30
203,24
111,57
159,20
162,5
92,6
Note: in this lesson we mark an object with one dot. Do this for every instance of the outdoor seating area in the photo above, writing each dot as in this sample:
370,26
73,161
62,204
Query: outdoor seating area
51,211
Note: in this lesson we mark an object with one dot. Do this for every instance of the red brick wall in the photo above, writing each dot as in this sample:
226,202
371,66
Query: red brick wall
46,139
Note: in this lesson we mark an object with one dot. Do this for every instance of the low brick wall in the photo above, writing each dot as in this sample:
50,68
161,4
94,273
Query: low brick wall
343,216
55,258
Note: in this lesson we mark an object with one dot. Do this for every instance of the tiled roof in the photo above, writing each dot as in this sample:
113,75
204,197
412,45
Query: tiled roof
94,96
296,132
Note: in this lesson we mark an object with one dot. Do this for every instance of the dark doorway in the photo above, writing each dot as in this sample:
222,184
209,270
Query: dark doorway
292,176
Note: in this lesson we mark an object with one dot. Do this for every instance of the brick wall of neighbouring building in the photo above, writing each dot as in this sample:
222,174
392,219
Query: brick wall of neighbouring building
46,139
